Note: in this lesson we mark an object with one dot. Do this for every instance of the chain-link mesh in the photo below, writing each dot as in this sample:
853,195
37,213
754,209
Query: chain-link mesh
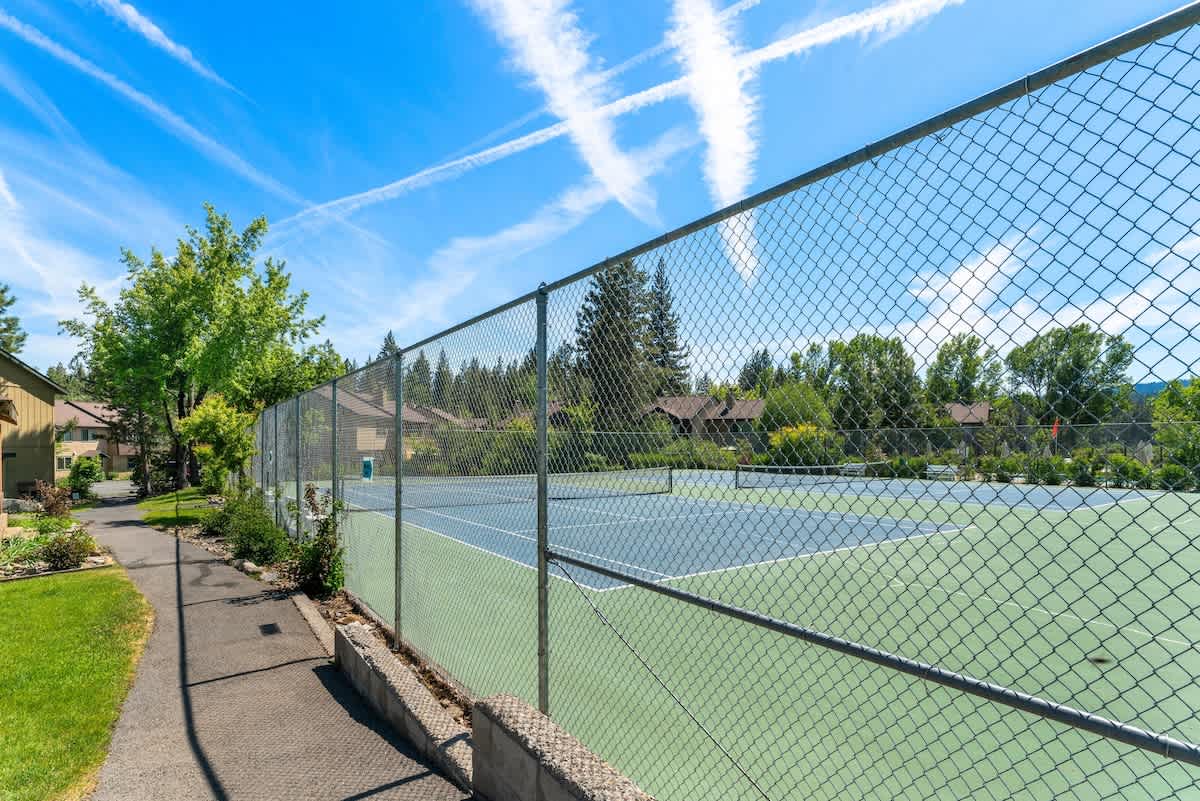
886,487
287,421
915,432
316,452
366,446
468,488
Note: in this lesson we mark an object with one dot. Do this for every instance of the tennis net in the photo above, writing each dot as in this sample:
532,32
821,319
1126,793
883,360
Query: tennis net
429,492
760,476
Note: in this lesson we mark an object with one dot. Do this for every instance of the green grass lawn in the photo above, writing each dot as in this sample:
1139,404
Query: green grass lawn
1022,597
70,644
160,510
22,519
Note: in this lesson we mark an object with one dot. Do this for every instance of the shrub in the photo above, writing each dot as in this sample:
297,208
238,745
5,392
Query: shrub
1173,477
908,466
1045,470
214,478
85,471
805,445
67,549
1127,472
44,524
688,454
248,529
318,566
1081,472
1000,468
56,501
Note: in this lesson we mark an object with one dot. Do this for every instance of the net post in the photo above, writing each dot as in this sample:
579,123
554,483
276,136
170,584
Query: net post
397,517
333,450
543,523
299,496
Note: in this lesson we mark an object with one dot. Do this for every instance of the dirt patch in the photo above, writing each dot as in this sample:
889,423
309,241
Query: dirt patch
339,610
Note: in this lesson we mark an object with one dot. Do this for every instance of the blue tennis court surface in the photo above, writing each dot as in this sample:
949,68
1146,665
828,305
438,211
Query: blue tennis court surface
656,537
1034,497
660,537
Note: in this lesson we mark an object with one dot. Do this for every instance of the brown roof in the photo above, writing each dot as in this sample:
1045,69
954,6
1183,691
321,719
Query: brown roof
969,413
740,409
681,407
361,405
86,414
689,407
437,415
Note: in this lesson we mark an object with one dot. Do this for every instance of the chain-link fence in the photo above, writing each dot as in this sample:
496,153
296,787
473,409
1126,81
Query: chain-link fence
883,484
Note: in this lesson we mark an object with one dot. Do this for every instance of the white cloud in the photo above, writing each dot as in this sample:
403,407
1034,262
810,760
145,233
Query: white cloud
706,50
137,22
883,18
35,101
165,117
1158,314
462,263
548,45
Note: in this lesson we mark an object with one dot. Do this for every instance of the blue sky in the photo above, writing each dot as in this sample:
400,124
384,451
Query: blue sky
424,163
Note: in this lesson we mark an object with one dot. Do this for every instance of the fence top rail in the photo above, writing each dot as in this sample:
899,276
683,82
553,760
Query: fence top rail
1132,39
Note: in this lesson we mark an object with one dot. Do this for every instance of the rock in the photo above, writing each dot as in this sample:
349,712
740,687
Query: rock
96,560
14,505
250,567
269,575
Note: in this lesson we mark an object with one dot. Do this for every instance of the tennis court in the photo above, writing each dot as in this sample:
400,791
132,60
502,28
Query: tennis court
656,534
1024,590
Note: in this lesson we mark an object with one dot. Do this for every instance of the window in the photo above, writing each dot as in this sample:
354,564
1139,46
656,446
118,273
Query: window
63,463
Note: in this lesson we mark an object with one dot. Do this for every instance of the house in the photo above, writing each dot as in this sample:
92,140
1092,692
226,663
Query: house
85,429
706,416
441,417
28,447
370,421
969,414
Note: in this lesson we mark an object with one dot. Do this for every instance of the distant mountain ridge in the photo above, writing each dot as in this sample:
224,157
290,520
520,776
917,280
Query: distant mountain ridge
1148,389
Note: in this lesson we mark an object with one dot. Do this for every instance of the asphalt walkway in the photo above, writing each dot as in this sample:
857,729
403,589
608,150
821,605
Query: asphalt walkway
234,697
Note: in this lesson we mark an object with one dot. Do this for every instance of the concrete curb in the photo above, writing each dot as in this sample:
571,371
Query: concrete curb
521,755
399,697
322,629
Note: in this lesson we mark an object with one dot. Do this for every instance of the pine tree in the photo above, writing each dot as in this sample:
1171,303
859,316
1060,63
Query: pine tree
418,390
12,338
612,331
389,347
443,383
665,351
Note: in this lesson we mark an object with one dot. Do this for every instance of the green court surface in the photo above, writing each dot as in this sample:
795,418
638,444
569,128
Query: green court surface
1089,608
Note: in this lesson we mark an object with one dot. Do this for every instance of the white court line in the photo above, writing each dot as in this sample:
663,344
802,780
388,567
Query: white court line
1043,611
953,496
755,506
565,502
555,527
799,556
1179,522
473,547
519,536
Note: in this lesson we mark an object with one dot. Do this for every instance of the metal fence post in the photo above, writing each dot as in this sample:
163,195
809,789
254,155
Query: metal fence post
275,488
398,517
543,523
333,454
299,496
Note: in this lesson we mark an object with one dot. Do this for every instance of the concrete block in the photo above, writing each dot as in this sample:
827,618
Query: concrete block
521,755
403,701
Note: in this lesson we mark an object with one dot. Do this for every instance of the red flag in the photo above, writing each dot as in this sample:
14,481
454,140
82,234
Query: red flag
1054,431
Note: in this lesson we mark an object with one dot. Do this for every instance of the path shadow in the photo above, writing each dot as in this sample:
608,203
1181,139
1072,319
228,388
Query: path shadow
189,718
354,704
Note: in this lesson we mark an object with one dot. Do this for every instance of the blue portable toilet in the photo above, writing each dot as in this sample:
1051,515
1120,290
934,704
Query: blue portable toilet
368,468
